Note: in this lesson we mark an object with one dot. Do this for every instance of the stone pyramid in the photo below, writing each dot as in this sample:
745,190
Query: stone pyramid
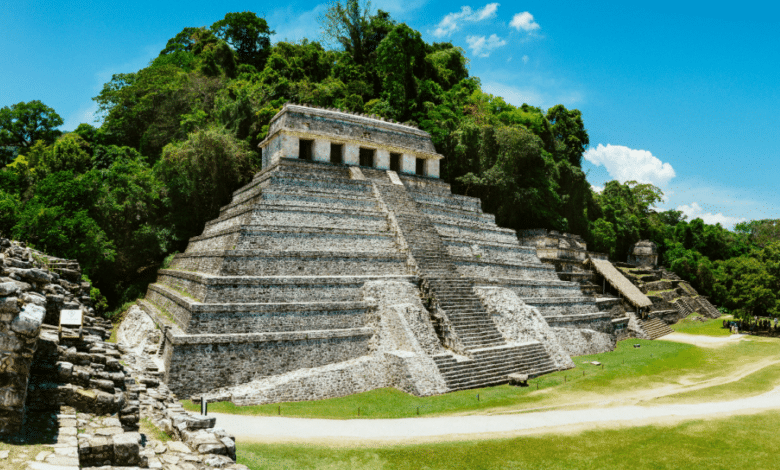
346,265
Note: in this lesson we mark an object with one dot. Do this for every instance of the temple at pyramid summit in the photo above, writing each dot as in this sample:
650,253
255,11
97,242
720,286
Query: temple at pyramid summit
348,265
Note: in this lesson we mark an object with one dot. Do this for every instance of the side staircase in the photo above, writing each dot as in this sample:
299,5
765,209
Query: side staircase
490,359
655,328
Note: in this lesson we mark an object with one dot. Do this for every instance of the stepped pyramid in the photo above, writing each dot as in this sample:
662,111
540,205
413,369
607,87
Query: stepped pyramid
274,289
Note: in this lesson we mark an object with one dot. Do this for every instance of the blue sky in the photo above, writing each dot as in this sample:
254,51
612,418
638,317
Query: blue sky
682,95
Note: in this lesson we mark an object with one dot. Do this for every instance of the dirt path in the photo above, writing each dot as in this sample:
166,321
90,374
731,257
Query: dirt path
702,340
274,429
622,410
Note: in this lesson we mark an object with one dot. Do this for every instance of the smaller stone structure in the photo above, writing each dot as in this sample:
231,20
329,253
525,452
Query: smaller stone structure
672,298
643,253
567,252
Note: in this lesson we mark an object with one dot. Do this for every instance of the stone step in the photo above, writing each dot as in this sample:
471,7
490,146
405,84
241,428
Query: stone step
656,328
453,372
270,289
491,366
309,263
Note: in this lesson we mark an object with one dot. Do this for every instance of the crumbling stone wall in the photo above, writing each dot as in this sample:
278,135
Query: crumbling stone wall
19,328
29,296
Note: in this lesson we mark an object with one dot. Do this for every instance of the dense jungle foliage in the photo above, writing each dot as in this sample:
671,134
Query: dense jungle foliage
178,136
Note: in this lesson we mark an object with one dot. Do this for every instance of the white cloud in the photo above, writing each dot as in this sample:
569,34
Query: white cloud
450,23
597,189
694,211
524,21
488,11
626,164
481,46
525,59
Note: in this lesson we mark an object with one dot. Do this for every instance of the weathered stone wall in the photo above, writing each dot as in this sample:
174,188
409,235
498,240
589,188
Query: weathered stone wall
193,368
520,323
494,252
287,289
579,342
260,263
596,322
486,269
30,296
19,328
319,217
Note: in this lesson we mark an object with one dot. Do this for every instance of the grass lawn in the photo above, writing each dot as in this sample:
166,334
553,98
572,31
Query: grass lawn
712,327
749,441
625,370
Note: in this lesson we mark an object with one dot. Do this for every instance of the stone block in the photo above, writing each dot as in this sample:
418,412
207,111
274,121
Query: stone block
29,321
34,298
321,150
432,168
8,288
230,447
519,380
105,385
408,164
200,422
351,154
382,159
126,449
176,446
83,400
64,371
100,448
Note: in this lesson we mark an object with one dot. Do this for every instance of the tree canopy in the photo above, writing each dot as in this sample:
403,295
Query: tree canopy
23,124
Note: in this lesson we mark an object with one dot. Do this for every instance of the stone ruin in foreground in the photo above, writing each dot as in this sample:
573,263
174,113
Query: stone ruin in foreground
348,265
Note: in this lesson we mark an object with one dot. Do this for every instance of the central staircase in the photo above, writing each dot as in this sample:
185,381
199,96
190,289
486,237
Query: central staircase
489,358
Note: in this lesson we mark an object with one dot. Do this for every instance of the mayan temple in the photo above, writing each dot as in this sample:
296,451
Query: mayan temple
348,265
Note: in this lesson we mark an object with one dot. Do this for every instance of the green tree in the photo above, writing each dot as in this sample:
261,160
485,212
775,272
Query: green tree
201,174
630,209
401,58
347,25
69,152
571,138
22,124
749,284
9,212
182,42
57,220
247,34
129,207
